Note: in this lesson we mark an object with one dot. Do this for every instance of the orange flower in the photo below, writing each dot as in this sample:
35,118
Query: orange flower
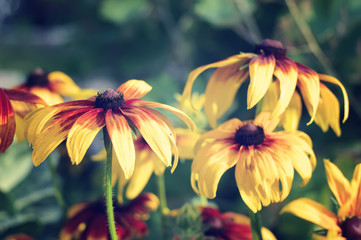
14,104
270,60
80,121
347,223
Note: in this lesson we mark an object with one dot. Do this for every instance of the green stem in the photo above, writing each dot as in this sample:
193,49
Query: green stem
108,186
203,200
54,179
162,204
256,225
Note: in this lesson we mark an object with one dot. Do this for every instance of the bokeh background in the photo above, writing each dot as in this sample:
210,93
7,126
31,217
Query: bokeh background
101,44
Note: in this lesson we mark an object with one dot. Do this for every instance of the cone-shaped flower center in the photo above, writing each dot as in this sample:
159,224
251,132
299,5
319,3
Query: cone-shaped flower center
109,99
270,47
351,228
38,77
249,135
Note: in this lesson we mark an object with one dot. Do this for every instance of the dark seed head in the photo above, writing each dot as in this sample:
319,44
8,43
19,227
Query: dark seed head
109,99
249,135
351,228
270,47
38,77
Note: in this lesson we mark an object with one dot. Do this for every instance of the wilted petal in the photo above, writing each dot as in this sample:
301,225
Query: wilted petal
134,89
261,71
122,139
7,122
83,132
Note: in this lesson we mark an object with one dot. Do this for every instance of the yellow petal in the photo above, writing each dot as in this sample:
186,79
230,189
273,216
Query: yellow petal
83,132
309,85
333,80
63,84
271,97
264,119
286,73
134,89
122,140
356,190
144,167
292,115
186,140
221,90
210,163
267,234
53,135
20,128
261,71
187,92
313,212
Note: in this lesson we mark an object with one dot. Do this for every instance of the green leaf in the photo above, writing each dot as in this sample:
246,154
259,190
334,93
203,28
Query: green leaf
218,12
121,11
15,165
6,203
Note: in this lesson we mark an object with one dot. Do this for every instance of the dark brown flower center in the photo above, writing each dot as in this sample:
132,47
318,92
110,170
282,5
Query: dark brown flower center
250,134
270,47
109,99
38,77
351,228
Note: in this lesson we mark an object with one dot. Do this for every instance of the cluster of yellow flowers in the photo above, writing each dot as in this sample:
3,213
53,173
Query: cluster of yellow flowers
143,141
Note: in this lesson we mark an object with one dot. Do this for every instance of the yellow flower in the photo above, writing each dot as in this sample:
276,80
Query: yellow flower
14,105
80,121
270,60
51,87
264,159
147,162
347,223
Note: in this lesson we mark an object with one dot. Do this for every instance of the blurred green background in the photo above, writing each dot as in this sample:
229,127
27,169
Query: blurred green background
101,44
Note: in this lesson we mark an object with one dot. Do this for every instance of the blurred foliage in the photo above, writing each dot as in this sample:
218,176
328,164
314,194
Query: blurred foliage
104,43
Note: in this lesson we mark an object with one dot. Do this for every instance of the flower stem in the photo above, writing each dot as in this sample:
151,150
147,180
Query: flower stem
203,200
256,225
54,179
162,204
108,186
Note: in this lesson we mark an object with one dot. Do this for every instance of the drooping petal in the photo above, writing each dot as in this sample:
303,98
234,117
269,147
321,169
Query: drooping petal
7,122
122,139
210,163
333,80
63,84
221,90
286,72
261,71
309,86
54,134
292,115
83,132
186,140
337,182
313,212
20,128
134,89
187,92
356,190
175,111
23,96
154,131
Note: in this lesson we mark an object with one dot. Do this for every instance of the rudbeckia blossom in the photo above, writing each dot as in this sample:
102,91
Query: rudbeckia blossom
80,121
52,87
265,160
147,162
346,224
269,61
14,104
88,220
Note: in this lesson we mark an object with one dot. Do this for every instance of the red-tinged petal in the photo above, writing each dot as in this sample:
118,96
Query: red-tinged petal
7,122
19,237
356,189
313,212
175,111
286,73
78,103
333,80
54,134
83,132
122,139
309,85
134,89
98,228
221,90
23,96
196,72
261,71
154,131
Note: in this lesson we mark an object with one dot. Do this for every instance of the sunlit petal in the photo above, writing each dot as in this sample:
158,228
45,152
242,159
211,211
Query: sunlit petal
292,115
63,84
83,132
134,89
